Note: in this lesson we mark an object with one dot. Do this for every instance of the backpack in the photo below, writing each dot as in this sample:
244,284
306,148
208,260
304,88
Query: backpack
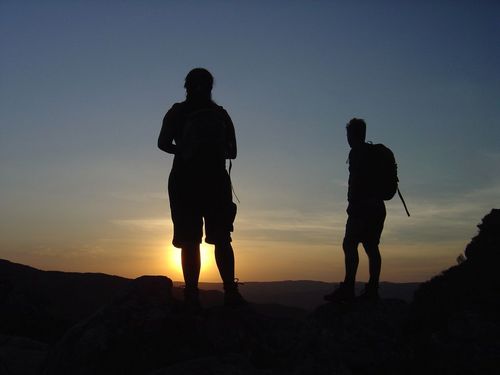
204,136
385,171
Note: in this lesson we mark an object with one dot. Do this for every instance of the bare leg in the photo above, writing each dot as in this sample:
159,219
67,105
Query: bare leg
351,261
375,263
224,257
345,291
191,264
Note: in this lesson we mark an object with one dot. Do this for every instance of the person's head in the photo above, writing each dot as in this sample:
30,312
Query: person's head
198,84
356,131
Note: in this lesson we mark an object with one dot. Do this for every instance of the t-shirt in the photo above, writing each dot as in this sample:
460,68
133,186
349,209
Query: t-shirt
361,178
176,120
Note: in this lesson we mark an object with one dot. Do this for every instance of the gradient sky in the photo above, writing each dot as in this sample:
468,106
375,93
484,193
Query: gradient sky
84,86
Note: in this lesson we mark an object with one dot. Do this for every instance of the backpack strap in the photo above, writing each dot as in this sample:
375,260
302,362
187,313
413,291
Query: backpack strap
404,204
231,182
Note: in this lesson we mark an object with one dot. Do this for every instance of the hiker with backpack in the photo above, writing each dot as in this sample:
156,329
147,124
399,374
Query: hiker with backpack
372,179
201,136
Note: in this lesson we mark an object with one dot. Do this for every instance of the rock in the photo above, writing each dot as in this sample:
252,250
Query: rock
224,365
486,245
146,329
21,356
455,317
359,337
43,305
132,334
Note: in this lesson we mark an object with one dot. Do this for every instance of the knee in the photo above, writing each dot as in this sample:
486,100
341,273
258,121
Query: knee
372,250
349,246
223,247
190,248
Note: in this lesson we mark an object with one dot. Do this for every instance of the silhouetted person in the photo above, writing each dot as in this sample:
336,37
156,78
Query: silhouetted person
366,215
201,135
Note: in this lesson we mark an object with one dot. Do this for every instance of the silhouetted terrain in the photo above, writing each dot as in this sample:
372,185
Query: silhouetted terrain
307,294
65,323
44,304
456,315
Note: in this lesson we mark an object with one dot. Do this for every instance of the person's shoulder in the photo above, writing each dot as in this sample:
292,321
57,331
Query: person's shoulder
366,148
217,107
360,153
222,111
178,107
360,149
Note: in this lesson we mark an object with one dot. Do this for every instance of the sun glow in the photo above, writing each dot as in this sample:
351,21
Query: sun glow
208,269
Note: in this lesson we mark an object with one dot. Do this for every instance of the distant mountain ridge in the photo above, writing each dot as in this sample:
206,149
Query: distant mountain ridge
79,294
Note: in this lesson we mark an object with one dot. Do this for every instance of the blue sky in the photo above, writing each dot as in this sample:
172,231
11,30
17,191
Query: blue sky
84,86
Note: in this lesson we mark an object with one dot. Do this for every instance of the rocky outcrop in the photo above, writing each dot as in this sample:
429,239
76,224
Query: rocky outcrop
146,329
455,320
231,364
43,305
129,335
359,337
21,356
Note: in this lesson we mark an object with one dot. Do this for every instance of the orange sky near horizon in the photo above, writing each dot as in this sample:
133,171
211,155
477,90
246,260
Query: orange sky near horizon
148,251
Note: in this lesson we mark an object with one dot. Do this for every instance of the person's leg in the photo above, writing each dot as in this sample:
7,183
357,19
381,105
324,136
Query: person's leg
191,264
351,259
219,216
345,291
188,224
375,225
374,262
224,257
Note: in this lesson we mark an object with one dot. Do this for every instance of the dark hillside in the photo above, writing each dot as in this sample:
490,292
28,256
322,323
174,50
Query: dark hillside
456,315
44,304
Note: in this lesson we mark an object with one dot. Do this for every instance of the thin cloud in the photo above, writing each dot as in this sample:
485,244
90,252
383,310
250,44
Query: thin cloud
442,220
144,224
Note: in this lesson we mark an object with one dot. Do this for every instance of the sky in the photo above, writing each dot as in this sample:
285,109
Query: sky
84,86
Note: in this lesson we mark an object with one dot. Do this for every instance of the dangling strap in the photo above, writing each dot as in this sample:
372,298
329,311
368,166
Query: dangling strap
404,204
232,187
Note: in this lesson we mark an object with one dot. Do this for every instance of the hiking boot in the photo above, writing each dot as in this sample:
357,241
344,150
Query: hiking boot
192,300
370,293
232,297
343,293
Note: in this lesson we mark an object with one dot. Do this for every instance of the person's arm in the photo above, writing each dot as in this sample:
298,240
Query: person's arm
231,138
167,132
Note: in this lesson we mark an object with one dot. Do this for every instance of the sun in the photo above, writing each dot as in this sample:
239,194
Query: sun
174,263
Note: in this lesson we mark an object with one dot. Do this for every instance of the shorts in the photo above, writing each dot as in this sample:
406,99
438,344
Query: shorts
197,199
365,223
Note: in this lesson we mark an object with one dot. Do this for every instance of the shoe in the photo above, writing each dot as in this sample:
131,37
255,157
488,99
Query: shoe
192,300
370,293
343,293
232,297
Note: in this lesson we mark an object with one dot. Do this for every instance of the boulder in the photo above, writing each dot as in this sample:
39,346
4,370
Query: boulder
132,334
146,329
455,317
21,356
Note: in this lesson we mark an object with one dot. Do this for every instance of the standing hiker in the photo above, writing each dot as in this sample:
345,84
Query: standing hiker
372,179
201,135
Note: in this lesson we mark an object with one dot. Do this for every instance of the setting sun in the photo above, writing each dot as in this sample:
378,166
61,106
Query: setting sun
208,269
